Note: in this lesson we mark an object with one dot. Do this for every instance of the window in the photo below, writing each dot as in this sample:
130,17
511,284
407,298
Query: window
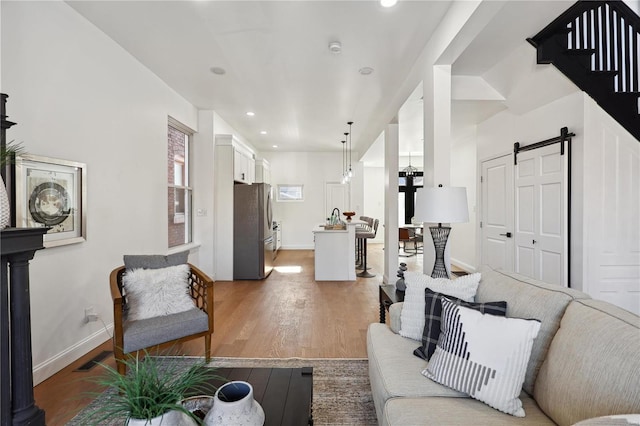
407,186
290,193
179,193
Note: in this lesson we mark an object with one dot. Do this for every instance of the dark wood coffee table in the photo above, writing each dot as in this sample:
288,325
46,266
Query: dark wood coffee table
285,394
388,296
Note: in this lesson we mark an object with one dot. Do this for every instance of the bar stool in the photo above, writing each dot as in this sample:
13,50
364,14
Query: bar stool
365,236
361,229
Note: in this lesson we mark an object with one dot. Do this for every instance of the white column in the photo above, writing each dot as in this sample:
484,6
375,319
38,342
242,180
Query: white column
391,201
437,146
202,157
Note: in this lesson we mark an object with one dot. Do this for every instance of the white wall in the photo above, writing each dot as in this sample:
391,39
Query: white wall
463,173
611,224
605,195
497,135
313,170
77,95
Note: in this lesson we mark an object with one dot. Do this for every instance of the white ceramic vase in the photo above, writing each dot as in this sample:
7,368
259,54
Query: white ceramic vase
234,405
5,213
172,418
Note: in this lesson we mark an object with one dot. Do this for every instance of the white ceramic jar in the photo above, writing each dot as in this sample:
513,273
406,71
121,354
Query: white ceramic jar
234,405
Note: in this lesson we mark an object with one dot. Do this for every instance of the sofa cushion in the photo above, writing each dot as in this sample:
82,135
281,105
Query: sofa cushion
483,355
395,372
153,331
433,316
593,367
531,299
412,314
431,411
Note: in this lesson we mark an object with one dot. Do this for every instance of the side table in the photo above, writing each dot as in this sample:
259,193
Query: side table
388,296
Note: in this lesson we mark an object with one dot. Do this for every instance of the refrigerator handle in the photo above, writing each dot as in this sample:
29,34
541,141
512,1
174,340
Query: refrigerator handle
269,215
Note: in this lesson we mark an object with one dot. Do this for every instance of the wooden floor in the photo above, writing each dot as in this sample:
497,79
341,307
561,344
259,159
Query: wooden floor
286,315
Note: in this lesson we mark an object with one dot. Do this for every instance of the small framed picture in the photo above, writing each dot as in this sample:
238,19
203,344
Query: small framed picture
52,193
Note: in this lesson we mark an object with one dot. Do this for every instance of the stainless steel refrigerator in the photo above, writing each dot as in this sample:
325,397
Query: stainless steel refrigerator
252,231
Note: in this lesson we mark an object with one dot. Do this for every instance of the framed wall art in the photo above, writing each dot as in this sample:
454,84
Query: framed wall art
52,193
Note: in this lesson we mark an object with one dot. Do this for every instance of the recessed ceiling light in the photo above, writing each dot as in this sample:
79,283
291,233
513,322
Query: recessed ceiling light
251,113
275,146
388,3
218,71
365,70
335,47
263,132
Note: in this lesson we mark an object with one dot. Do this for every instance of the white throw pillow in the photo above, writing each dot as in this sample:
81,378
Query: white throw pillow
483,355
412,313
156,292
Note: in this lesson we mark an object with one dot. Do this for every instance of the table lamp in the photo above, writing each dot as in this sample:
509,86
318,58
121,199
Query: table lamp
441,205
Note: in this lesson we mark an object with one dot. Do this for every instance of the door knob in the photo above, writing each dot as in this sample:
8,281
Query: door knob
534,241
508,235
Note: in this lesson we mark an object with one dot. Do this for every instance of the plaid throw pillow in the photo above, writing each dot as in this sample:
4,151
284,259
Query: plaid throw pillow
433,317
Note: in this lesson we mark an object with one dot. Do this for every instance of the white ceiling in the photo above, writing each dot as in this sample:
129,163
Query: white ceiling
278,62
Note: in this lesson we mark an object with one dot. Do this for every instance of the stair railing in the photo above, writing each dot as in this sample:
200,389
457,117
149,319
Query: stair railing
608,34
612,30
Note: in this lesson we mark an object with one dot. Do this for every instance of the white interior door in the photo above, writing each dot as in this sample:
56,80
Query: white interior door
497,213
336,195
541,215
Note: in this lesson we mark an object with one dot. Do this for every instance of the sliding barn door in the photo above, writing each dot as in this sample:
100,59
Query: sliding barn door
541,215
524,214
497,213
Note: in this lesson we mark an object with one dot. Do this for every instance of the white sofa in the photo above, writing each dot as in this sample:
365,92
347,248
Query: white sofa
585,362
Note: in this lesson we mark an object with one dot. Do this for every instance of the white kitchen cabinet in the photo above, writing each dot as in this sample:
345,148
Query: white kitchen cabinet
277,236
334,253
243,166
263,171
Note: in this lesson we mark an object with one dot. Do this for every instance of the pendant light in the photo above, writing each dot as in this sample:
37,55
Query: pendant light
344,162
350,172
409,171
347,175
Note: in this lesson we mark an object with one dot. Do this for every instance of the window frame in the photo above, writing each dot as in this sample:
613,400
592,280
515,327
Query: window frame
289,185
185,217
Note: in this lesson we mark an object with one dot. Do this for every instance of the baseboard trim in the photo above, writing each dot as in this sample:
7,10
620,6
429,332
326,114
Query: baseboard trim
298,247
464,266
48,368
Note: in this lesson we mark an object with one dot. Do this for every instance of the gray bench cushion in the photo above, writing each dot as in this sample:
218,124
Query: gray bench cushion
394,371
529,299
455,411
155,261
593,365
153,331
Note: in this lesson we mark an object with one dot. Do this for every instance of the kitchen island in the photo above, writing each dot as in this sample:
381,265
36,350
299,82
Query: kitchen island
335,256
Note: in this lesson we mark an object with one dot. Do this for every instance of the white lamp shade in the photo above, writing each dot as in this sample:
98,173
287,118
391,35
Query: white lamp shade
446,204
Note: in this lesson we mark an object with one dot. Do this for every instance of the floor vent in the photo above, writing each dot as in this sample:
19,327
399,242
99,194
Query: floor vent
93,361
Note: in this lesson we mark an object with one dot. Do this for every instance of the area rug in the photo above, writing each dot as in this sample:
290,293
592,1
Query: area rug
341,390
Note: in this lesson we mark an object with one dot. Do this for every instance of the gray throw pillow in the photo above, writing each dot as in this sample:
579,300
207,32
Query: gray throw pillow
155,261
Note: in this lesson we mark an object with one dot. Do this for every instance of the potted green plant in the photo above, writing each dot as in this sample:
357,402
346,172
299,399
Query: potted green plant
151,392
7,155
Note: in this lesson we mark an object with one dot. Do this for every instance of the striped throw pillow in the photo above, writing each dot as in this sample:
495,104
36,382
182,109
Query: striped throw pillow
483,355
